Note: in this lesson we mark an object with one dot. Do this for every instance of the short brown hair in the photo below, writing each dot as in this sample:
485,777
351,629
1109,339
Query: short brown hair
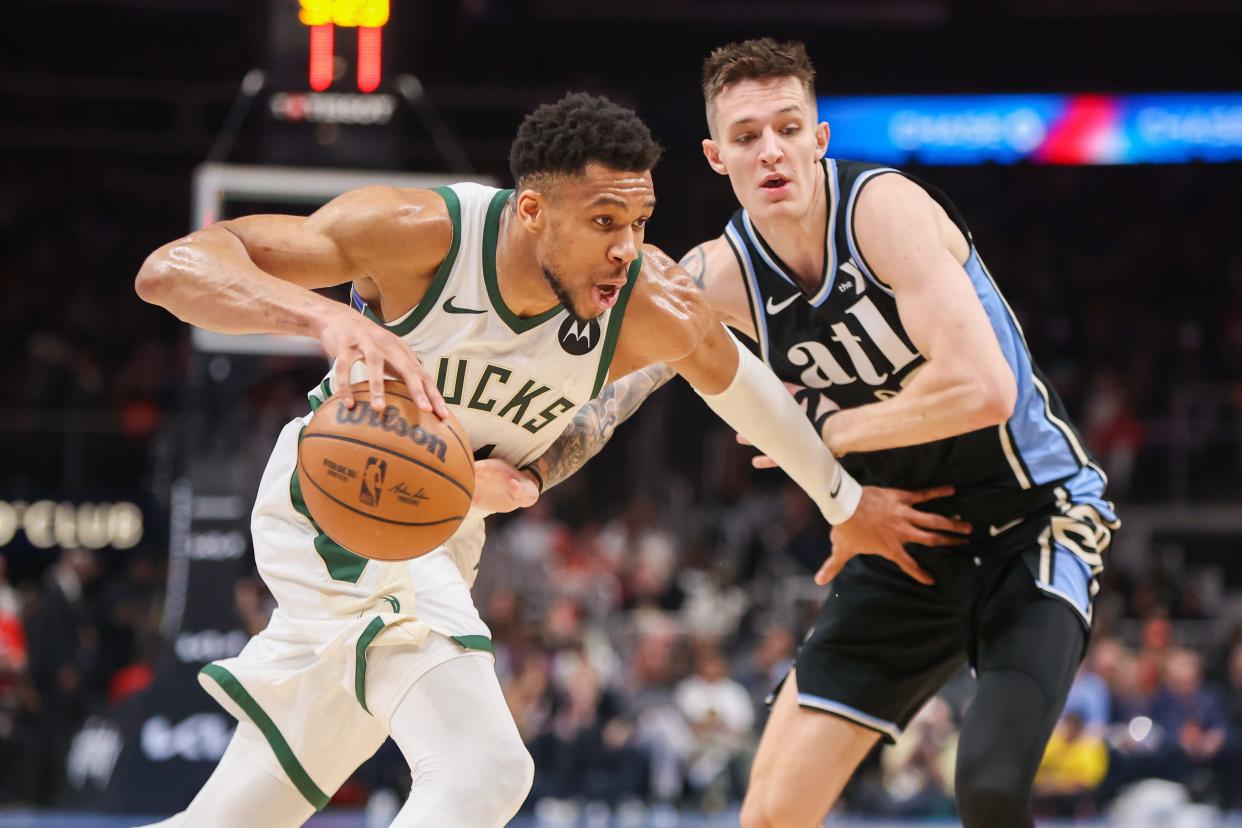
759,59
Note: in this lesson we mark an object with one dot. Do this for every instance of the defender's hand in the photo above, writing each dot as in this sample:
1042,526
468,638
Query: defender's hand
350,337
498,487
884,522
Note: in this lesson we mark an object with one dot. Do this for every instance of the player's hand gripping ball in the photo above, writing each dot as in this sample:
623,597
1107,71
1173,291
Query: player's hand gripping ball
389,485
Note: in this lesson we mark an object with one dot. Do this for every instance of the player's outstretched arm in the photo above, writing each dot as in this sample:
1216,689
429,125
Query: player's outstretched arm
257,274
749,397
967,383
866,519
669,320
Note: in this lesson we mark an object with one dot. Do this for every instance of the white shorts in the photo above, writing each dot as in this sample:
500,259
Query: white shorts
349,637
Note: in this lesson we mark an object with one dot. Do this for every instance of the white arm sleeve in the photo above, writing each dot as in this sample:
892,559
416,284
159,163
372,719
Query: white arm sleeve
759,408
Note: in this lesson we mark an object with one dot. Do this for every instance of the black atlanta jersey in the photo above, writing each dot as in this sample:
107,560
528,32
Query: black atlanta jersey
846,339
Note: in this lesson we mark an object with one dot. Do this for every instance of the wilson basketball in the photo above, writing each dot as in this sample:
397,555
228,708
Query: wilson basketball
389,485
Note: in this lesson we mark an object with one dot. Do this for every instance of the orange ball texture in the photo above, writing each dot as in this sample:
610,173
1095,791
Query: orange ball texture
388,485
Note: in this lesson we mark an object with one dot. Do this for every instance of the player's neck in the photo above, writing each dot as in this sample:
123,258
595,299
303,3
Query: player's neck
798,238
521,281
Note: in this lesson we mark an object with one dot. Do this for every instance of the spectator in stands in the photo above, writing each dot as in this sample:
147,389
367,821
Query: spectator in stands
917,772
619,771
713,606
1153,656
1230,762
16,737
1191,716
528,695
721,716
1109,659
12,636
568,749
1187,708
766,664
1074,764
1089,699
1113,430
128,628
61,642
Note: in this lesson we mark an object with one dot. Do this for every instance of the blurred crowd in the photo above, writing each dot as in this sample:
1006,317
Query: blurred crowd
636,653
76,642
650,641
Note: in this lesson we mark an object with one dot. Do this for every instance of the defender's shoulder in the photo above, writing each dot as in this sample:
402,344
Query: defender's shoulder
711,262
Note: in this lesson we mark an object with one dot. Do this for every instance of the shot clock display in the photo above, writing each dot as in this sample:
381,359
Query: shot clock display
323,17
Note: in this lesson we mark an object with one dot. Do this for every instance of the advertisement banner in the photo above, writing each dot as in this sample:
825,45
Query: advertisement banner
1169,128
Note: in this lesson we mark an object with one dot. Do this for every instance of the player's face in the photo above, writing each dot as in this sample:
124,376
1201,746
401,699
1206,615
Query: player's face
766,139
594,231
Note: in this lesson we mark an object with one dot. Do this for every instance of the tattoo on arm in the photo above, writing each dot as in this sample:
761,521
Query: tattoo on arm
695,263
593,425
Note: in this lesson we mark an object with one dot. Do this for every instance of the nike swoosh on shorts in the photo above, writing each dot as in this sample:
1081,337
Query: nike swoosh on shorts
995,530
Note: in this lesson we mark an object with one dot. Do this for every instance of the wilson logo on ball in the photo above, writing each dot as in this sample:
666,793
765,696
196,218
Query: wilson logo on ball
373,481
390,419
363,483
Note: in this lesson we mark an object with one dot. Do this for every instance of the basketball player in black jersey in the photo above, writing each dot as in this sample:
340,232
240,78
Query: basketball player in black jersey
863,289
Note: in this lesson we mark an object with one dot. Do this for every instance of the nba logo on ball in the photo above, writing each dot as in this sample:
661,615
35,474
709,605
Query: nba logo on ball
579,337
373,481
424,461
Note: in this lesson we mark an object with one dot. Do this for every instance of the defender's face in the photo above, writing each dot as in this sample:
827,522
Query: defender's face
766,139
594,231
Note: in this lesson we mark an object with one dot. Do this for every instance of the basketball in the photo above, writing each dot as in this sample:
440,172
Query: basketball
388,485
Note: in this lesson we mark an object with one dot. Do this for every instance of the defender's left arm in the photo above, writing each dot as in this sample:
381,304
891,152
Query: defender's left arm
966,383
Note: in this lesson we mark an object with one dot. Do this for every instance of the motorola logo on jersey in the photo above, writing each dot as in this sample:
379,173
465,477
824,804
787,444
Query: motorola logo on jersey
578,337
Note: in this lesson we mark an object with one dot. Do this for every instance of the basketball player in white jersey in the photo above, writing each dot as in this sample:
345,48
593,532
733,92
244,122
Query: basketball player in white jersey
512,309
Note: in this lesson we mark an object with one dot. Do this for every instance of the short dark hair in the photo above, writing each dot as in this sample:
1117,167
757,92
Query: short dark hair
562,138
760,59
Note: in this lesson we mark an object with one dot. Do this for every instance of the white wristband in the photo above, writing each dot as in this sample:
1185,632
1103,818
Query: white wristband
759,408
844,494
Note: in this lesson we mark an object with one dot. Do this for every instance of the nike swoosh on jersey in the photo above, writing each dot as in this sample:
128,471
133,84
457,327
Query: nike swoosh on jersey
780,306
995,530
451,308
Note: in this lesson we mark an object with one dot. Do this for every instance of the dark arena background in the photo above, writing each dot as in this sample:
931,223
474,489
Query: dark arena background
642,609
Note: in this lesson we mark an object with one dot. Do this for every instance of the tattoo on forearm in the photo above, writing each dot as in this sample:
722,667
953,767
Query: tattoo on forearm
593,425
695,263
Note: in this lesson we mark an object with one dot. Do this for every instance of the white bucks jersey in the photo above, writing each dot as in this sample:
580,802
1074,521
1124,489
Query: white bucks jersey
513,382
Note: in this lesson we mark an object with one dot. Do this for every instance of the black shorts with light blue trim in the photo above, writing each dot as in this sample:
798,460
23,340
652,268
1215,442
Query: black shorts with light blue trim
883,644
